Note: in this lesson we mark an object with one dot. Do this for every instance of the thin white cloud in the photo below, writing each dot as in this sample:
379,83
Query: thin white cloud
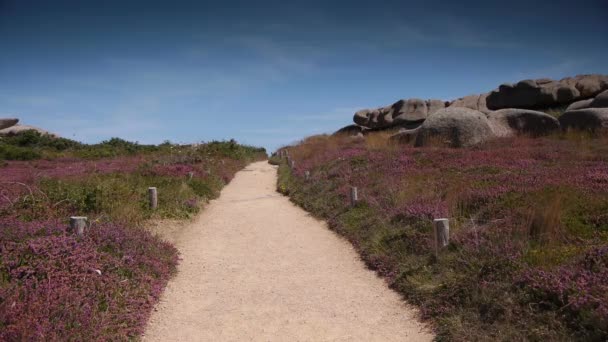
452,31
560,69
337,114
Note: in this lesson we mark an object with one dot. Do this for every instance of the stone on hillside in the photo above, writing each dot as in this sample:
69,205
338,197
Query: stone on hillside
565,94
362,117
8,122
591,85
401,113
411,110
475,102
17,129
512,121
579,104
404,136
530,94
590,119
456,127
600,101
435,105
349,130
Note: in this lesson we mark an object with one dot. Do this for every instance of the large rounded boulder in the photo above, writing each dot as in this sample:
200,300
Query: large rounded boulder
514,121
600,101
408,111
374,118
589,85
455,127
579,104
8,122
476,102
588,119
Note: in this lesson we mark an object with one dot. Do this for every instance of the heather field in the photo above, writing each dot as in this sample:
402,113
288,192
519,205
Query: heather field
528,255
55,285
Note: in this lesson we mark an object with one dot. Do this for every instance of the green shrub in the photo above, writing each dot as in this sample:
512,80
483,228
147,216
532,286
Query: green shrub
10,152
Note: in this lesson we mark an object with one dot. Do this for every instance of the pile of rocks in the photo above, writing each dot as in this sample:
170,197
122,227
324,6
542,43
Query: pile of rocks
402,112
544,93
9,126
504,112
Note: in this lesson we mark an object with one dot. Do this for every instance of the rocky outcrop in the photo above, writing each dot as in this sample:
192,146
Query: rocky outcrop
508,111
371,118
476,102
400,113
412,110
530,94
543,93
589,119
8,122
23,128
513,121
349,130
600,101
455,127
588,85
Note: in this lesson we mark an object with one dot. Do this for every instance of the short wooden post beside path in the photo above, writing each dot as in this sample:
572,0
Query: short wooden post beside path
78,224
153,197
354,196
307,175
442,233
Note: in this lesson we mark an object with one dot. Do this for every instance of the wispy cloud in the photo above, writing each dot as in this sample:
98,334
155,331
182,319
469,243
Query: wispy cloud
559,69
340,114
136,128
449,30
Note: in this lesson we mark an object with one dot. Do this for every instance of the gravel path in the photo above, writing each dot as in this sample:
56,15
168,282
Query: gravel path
257,268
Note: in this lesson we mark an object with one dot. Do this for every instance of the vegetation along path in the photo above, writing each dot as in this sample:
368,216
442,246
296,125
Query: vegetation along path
256,267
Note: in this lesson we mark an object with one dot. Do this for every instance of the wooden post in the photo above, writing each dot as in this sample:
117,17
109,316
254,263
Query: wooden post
190,175
153,197
78,224
307,175
354,196
292,163
442,233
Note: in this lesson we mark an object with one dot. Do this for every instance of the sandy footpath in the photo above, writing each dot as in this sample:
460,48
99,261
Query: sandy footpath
257,268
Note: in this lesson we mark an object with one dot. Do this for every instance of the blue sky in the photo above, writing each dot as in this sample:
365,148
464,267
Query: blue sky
270,73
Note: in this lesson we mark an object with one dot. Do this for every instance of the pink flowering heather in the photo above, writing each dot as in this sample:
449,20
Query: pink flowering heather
57,286
521,211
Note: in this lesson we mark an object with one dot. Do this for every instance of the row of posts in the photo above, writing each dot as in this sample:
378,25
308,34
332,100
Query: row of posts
78,224
441,226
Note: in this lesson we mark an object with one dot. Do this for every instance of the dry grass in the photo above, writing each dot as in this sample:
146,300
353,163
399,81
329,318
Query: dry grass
545,222
375,141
